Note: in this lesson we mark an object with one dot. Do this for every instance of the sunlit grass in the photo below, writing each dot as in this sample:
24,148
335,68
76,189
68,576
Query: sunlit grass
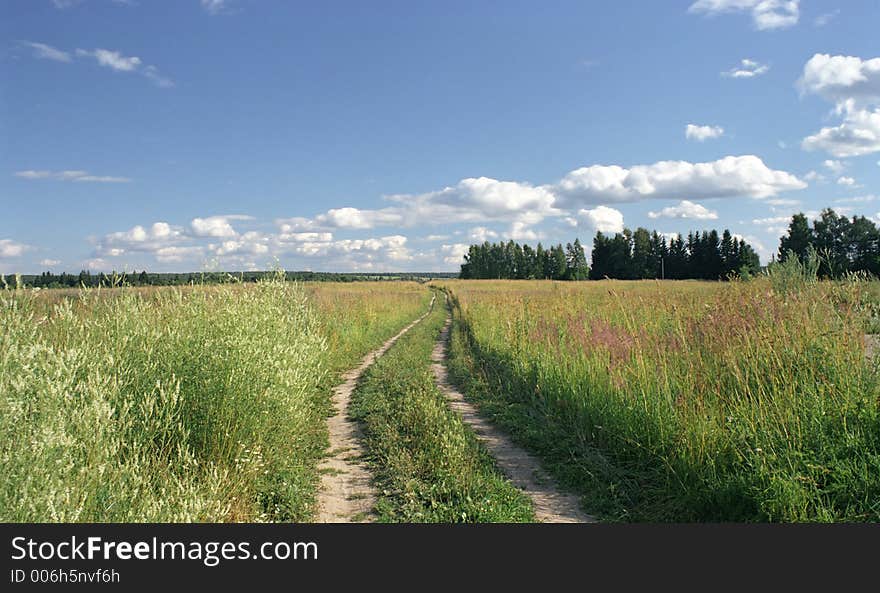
684,400
202,403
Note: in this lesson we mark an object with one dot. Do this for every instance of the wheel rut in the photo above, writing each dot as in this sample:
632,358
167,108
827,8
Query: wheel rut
523,469
347,494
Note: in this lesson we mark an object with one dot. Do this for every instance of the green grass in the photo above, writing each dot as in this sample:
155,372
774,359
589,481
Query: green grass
683,401
428,466
203,403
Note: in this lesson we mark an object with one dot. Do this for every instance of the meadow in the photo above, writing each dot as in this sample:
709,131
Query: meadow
203,403
684,401
654,401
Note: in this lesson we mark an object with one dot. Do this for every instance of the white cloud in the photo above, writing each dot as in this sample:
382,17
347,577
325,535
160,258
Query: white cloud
215,226
97,264
47,52
152,73
782,202
10,248
771,220
437,237
857,199
766,14
112,59
249,244
454,254
519,231
288,237
702,133
79,176
177,253
747,69
685,209
603,219
727,177
160,235
841,78
836,167
49,263
814,176
824,19
479,199
481,234
215,6
853,86
859,134
846,181
120,63
355,218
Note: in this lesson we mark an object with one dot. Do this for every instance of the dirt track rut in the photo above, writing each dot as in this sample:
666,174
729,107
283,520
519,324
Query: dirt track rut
523,469
346,494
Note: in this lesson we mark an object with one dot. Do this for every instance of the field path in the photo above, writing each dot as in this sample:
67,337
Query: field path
523,469
346,494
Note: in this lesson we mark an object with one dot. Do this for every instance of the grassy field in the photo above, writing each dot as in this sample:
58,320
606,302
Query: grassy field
683,401
428,465
656,401
178,404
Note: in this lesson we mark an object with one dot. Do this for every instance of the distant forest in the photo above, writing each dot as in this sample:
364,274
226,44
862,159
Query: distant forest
87,279
627,256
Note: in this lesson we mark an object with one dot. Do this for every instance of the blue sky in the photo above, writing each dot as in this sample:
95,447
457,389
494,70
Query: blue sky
203,134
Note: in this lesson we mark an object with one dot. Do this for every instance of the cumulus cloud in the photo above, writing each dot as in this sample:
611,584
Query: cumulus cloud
747,69
730,176
355,218
842,78
702,133
766,14
250,244
49,262
685,209
519,231
836,167
79,176
216,226
10,248
848,181
853,86
602,219
859,134
177,253
454,254
481,234
47,52
158,236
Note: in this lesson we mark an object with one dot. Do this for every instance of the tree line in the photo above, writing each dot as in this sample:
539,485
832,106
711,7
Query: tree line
521,262
836,244
644,255
88,280
627,256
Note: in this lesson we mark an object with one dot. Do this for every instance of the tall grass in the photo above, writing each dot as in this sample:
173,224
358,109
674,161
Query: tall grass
429,467
745,401
175,404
